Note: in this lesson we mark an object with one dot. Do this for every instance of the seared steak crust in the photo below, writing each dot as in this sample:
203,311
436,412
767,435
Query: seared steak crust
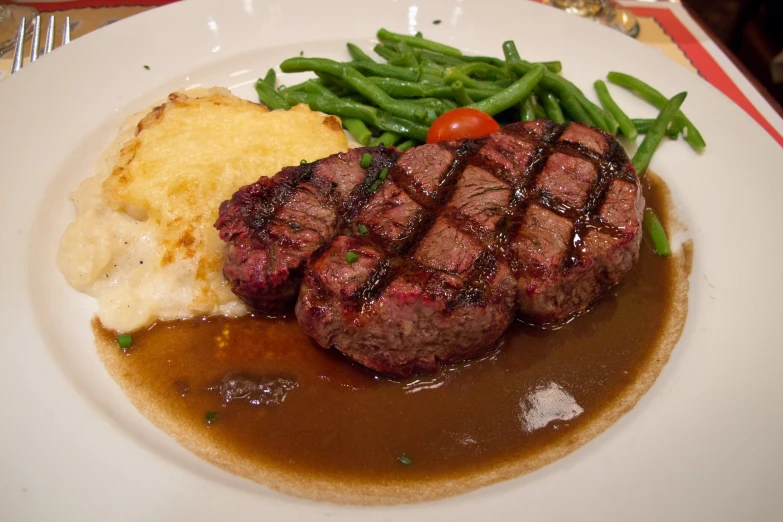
274,225
535,220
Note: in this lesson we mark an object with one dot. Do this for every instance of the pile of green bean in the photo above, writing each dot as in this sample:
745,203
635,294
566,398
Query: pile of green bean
395,102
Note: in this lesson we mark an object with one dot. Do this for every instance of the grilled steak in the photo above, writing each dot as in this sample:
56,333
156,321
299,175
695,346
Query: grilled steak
274,225
433,262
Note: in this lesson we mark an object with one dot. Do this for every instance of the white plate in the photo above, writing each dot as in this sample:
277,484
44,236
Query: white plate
706,443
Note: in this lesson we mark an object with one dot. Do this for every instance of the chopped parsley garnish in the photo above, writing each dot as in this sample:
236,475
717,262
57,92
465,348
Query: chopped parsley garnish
301,53
436,22
351,257
125,341
404,459
384,173
366,160
362,229
303,162
375,186
211,417
147,67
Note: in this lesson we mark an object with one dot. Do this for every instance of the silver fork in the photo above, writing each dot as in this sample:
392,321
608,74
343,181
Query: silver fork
48,43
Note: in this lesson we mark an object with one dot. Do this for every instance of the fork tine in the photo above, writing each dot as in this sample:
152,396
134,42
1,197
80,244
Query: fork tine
36,39
49,36
19,48
67,31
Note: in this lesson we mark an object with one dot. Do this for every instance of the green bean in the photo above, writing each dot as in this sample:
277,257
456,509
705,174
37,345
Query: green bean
405,145
441,59
404,60
551,106
626,125
452,60
455,75
643,155
357,54
538,109
497,62
450,104
479,94
431,79
403,89
295,87
429,63
603,120
460,95
421,43
484,71
510,52
333,82
361,85
573,108
386,70
645,91
553,67
643,125
387,138
439,105
355,97
526,110
385,52
350,109
269,97
358,130
270,77
316,87
570,96
657,234
437,72
513,94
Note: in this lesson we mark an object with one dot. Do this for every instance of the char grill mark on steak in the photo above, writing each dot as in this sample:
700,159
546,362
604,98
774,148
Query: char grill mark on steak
422,181
273,226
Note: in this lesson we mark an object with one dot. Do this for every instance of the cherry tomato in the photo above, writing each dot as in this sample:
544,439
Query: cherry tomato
461,123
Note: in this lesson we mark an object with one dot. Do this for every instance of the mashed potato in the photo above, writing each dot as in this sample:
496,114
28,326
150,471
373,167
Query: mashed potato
143,242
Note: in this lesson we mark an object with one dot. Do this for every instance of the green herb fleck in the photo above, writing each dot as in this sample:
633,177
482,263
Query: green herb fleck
211,417
303,162
125,341
362,229
147,67
419,35
351,257
405,459
383,174
436,22
366,160
301,53
375,186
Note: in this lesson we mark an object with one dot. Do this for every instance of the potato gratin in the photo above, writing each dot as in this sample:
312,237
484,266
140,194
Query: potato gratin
143,242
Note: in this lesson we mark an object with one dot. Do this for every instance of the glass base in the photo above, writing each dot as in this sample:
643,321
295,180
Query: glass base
602,11
586,8
620,19
10,18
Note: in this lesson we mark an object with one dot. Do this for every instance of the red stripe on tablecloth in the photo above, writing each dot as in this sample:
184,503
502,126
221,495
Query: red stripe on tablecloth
705,63
96,4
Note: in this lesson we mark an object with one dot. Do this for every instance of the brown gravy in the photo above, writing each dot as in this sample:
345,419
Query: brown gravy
541,395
